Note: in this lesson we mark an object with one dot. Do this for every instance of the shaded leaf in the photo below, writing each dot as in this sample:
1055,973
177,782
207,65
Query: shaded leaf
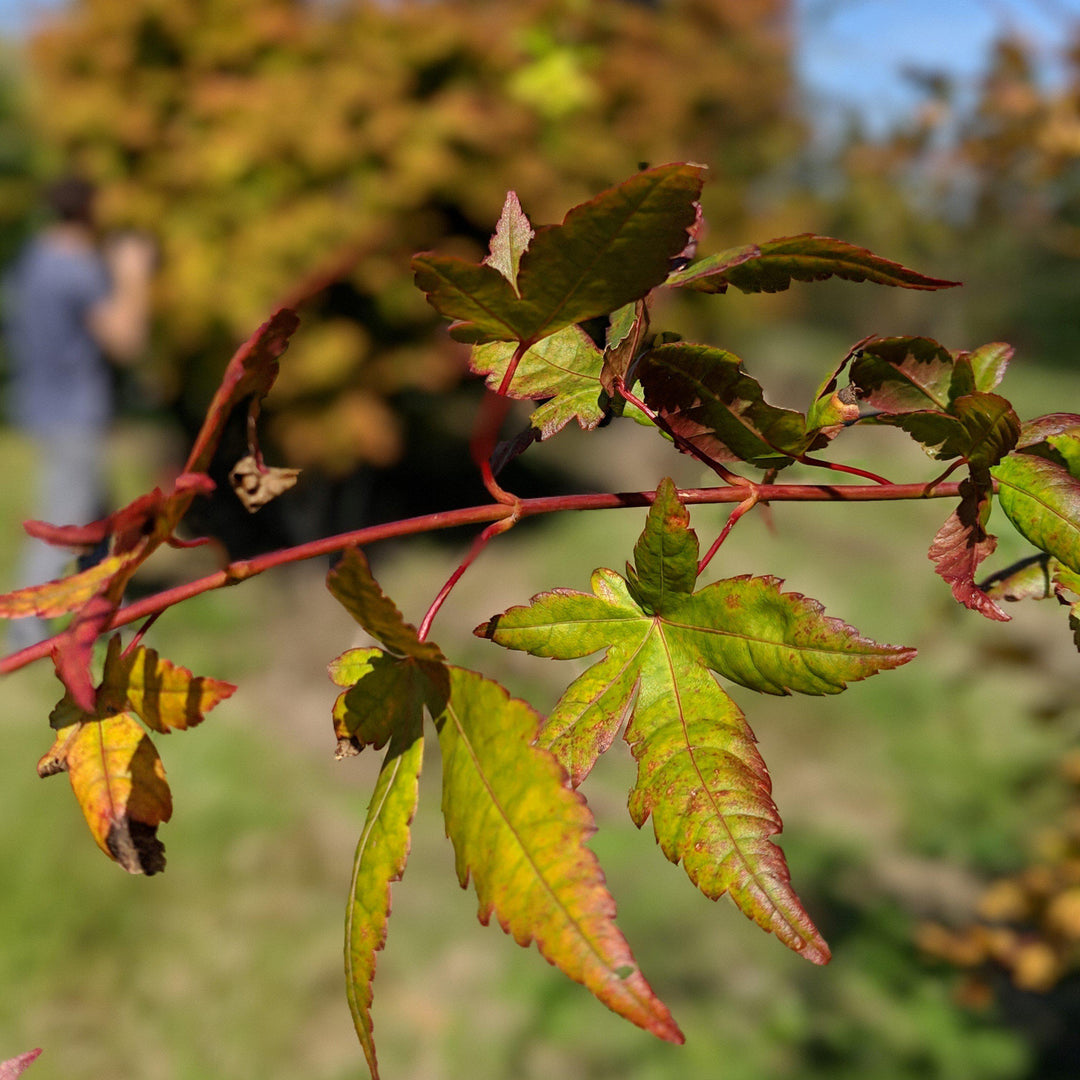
1028,579
628,328
564,367
165,696
606,253
709,400
511,239
772,266
352,585
381,697
981,428
1042,501
961,544
520,833
1067,582
1042,427
688,737
120,784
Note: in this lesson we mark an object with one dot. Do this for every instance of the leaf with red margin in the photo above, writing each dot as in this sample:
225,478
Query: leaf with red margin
119,782
165,696
1042,500
962,543
405,685
772,266
606,253
706,397
699,774
250,374
521,834
16,1066
511,239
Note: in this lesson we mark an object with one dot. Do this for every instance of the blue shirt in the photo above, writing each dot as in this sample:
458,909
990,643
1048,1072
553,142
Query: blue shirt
60,378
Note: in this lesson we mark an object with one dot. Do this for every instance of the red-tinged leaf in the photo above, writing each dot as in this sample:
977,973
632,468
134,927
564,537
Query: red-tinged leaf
61,596
709,400
606,253
352,585
1042,427
899,375
74,648
564,367
250,374
960,546
520,833
981,428
1042,500
511,239
81,538
120,784
772,266
383,848
165,696
659,636
16,1066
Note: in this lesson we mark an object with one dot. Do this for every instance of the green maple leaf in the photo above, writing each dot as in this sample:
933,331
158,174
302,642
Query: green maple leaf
519,832
607,252
700,776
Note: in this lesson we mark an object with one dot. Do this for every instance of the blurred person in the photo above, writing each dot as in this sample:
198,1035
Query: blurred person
71,306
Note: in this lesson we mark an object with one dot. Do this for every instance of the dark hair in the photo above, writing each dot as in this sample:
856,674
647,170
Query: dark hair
71,198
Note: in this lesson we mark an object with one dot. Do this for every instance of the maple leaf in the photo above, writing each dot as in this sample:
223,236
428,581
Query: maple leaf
606,253
707,397
772,266
518,831
165,696
511,239
564,367
119,782
962,543
1042,500
700,776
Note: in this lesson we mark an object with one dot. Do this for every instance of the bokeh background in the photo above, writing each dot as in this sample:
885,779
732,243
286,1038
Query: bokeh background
301,150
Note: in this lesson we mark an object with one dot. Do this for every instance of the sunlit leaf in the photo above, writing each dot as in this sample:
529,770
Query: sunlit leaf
163,695
564,367
1042,500
383,849
352,585
1028,579
981,428
120,784
988,364
606,253
772,266
659,636
59,597
511,239
520,833
903,374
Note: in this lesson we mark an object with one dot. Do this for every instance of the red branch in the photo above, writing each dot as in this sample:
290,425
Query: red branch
243,569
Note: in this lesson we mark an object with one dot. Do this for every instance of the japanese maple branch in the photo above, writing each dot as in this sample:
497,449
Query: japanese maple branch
243,569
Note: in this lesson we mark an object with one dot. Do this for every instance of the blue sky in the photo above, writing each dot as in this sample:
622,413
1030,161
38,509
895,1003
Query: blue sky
851,52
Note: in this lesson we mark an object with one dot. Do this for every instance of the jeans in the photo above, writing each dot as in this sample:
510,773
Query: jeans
70,491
